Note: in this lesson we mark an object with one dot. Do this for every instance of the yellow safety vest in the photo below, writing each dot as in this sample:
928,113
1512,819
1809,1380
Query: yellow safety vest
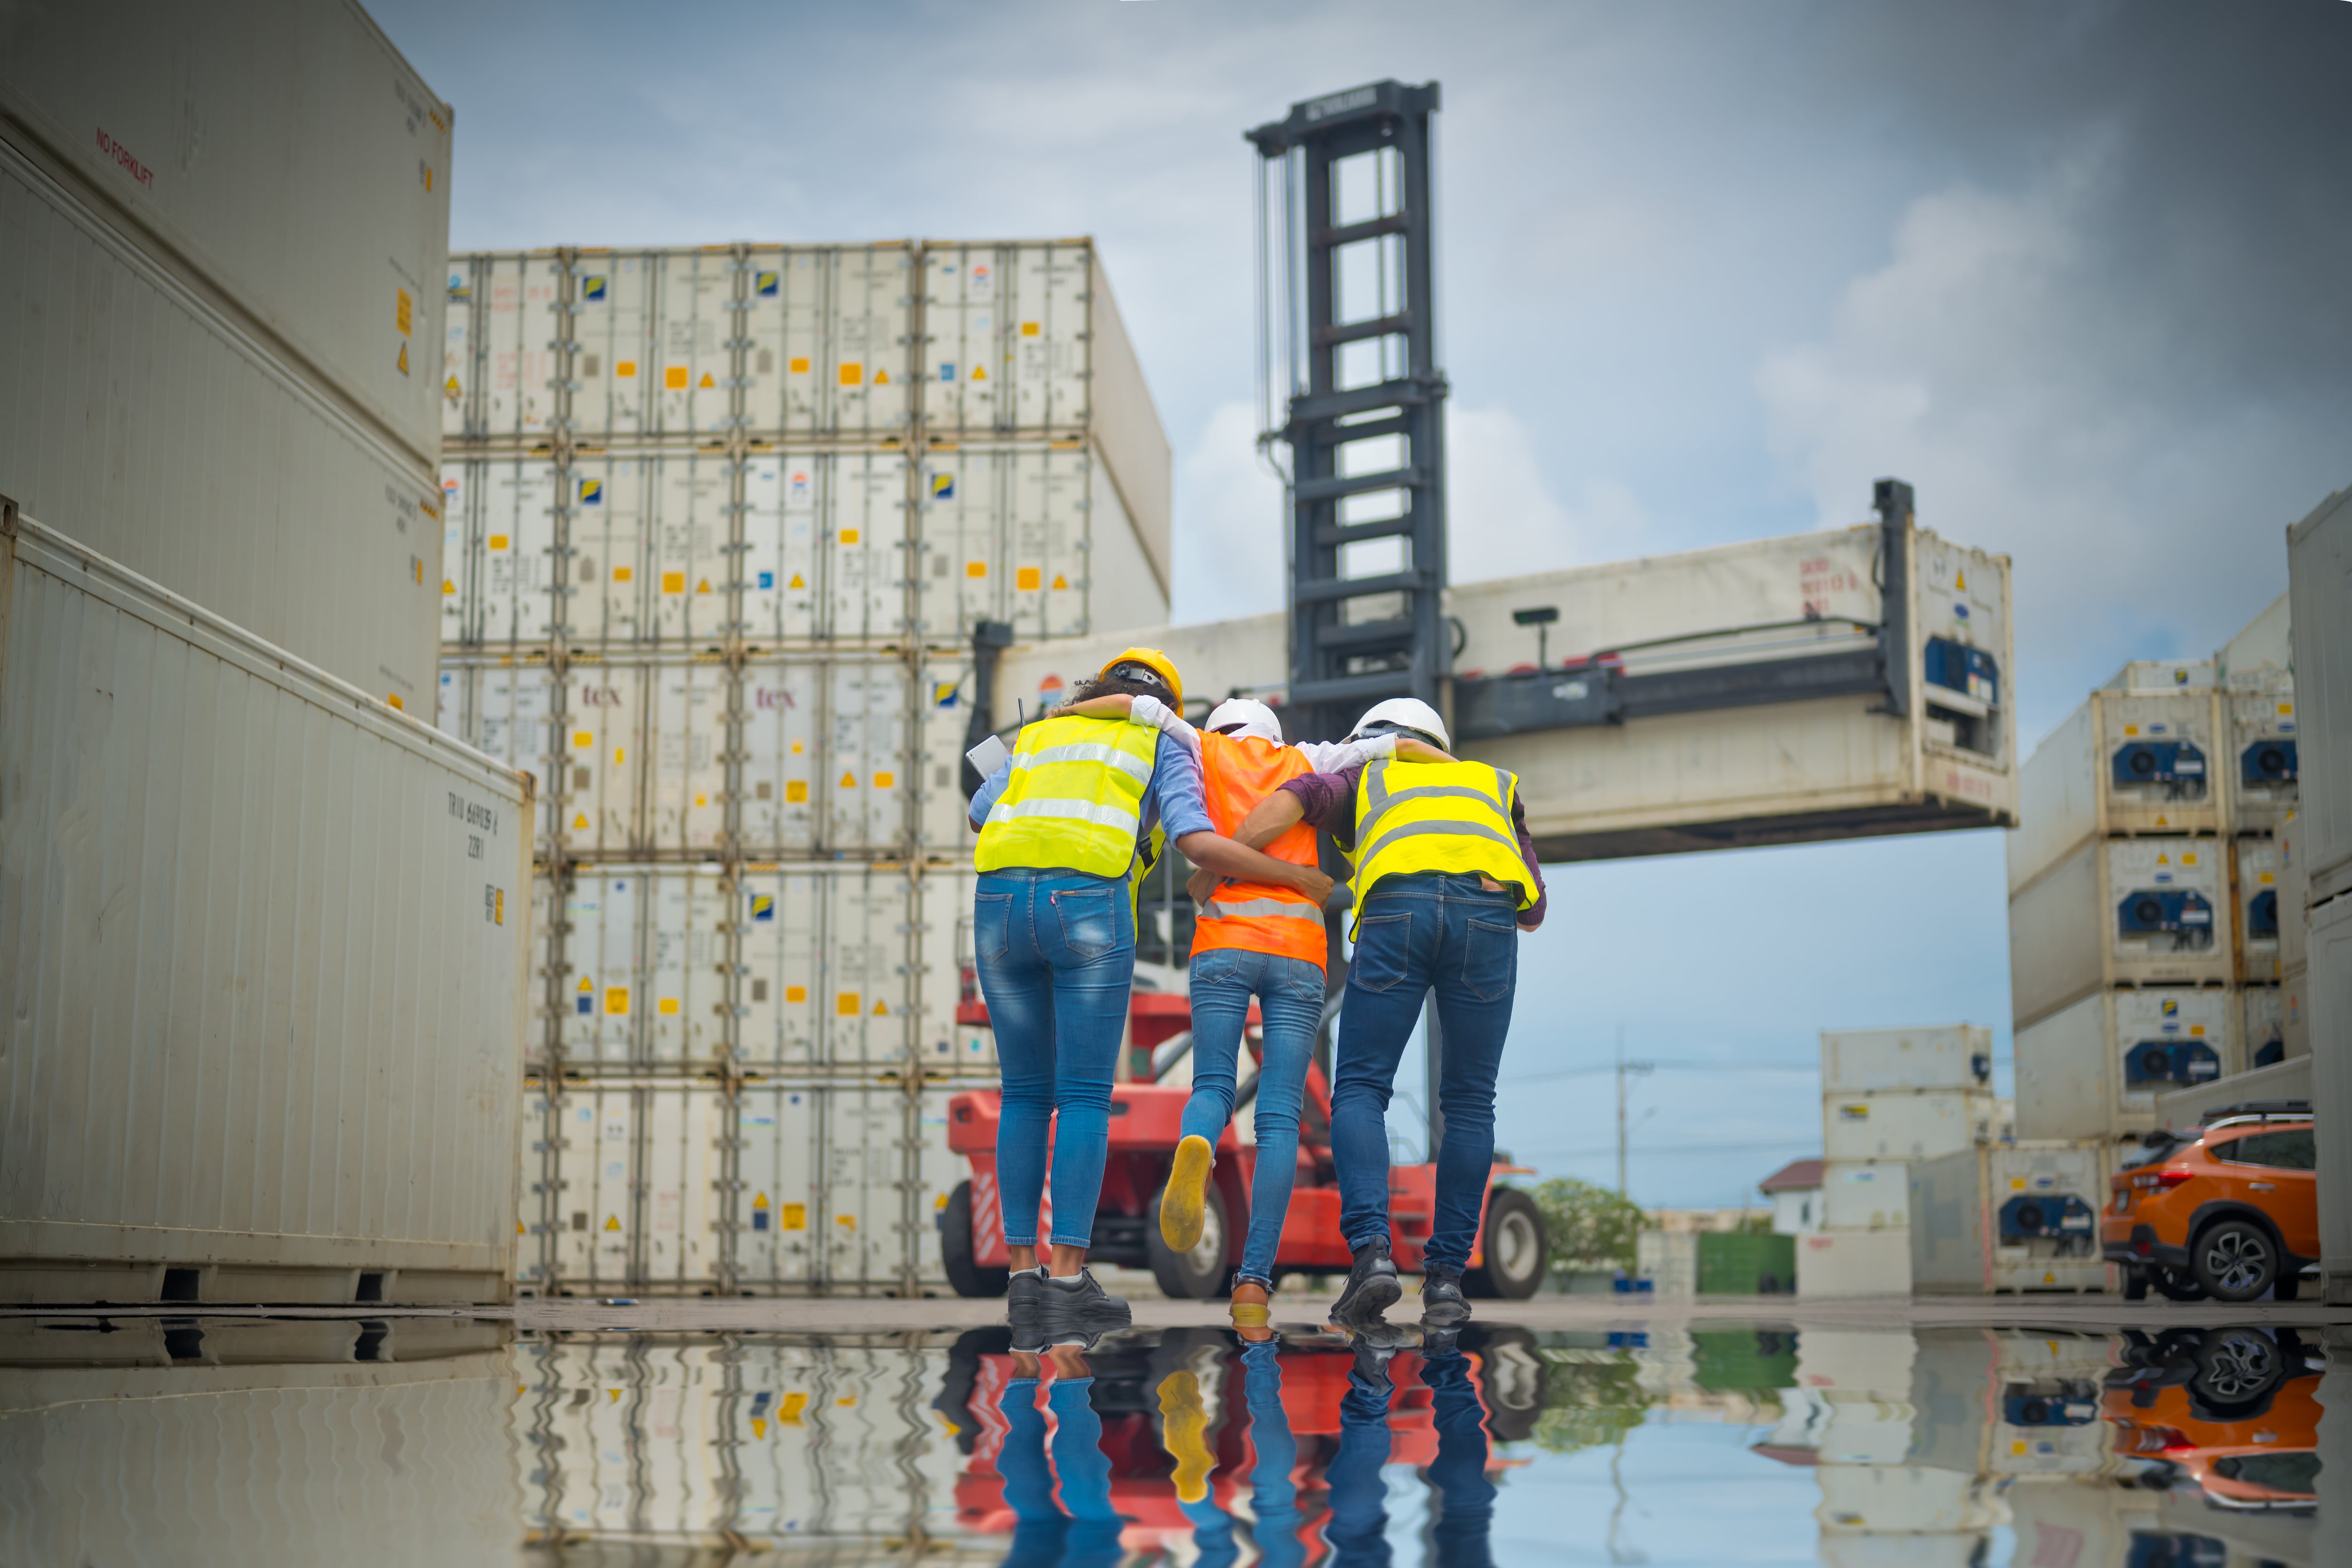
1436,816
1074,801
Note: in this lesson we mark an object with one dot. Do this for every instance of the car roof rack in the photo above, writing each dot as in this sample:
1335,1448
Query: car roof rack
2257,1111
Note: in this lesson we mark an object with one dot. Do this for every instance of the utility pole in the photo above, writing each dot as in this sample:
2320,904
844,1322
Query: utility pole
1625,1070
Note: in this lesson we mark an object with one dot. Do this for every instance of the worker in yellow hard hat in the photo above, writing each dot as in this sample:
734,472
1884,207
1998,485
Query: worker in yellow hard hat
1064,821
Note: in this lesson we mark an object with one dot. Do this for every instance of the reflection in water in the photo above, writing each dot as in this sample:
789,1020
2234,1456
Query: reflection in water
205,1440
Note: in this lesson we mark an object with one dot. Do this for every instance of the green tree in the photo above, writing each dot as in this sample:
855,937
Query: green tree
1589,1226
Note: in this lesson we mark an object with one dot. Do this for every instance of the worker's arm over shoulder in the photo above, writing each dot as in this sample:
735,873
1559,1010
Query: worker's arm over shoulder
1325,801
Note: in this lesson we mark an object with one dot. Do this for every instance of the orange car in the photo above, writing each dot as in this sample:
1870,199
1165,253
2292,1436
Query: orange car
2233,1411
2230,1214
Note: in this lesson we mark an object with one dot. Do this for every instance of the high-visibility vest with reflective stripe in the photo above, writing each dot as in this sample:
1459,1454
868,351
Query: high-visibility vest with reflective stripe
1074,801
1259,917
1436,816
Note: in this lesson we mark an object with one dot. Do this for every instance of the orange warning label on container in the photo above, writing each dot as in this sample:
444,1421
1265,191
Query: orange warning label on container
975,568
795,790
852,373
883,781
798,364
849,1005
849,781
673,582
1029,329
616,1001
403,311
849,536
625,369
1027,578
497,542
675,378
404,359
796,993
706,380
621,574
791,1216
667,1006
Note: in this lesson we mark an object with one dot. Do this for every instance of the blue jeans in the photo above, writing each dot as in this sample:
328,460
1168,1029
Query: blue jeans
1046,1535
1291,994
1430,931
1274,1497
1465,1497
1056,951
1358,1530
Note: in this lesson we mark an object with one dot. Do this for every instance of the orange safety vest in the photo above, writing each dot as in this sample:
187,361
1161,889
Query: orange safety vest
1260,917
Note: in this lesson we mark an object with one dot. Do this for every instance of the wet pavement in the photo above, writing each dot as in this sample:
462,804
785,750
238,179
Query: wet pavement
1930,1436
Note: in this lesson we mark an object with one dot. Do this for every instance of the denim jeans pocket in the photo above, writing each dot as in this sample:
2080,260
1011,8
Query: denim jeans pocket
1089,922
1490,958
1383,953
992,925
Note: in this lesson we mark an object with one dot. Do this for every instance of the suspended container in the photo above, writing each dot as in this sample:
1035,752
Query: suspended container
314,1100
2096,1069
1860,1061
2118,912
2000,1217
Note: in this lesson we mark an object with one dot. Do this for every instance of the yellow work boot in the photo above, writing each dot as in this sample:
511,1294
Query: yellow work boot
1183,1426
1182,1205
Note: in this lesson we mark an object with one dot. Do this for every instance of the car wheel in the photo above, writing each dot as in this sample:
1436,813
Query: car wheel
2175,1286
1511,1374
2238,1371
964,1276
2235,1260
1197,1275
2134,1284
1512,1246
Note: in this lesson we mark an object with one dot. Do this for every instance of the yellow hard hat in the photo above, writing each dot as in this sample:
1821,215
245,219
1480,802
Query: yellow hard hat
1152,659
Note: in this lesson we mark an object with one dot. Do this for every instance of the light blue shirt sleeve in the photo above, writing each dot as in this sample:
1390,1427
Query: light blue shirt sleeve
1176,795
985,800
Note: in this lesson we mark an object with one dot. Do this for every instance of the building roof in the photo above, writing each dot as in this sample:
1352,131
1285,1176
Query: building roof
1795,1176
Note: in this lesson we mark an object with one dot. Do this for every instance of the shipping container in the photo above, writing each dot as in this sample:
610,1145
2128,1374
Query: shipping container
2261,1034
1036,536
830,341
1915,1500
679,1185
1865,1195
281,156
2009,1216
232,1440
1855,1263
2327,1013
2125,762
1784,771
2013,1403
1966,1549
2294,897
313,1099
1899,1126
517,333
2256,865
2096,1068
1859,1061
2319,585
2264,755
647,1442
2121,912
137,417
2185,1109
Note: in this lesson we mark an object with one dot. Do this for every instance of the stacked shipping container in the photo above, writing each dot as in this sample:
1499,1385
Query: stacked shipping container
2146,882
721,524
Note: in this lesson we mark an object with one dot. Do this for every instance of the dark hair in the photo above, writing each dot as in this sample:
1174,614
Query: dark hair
1113,686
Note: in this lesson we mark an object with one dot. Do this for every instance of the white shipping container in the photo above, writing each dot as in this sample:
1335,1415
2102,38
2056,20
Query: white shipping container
2263,1034
646,959
138,418
1771,773
826,957
1855,1263
2006,1402
1903,1499
498,585
510,711
2263,756
826,763
317,1081
1865,1195
2258,873
2319,586
1956,1056
2125,762
1008,333
2096,1069
220,1459
1918,1125
2295,897
2128,911
644,1439
829,334
2009,1216
518,325
652,343
284,154
2327,1015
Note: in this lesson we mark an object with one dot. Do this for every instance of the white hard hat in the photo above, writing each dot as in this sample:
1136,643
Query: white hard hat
1403,713
1253,716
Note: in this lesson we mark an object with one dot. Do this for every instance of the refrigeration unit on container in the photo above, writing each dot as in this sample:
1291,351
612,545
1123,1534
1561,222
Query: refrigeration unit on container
1905,1124
286,1068
2264,754
1859,1061
2128,761
2319,587
2096,1069
1865,1195
1679,720
2259,867
139,417
2121,912
2009,1216
279,157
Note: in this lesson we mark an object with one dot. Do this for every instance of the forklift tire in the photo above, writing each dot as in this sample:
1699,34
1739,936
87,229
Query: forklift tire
1201,1274
968,1277
1514,1247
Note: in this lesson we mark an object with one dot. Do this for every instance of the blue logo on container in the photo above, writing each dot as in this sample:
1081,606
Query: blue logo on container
765,283
763,908
591,288
592,492
767,579
943,487
947,371
580,1005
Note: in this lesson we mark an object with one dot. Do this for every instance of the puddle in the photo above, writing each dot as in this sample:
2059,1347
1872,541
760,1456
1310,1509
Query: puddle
202,1441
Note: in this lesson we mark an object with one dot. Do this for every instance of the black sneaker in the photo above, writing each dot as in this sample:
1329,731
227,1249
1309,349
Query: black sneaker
1021,1290
1374,1344
1372,1288
1072,1311
1436,1342
1441,1296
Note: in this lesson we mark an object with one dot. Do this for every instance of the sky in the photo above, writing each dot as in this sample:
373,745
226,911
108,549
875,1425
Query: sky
1705,270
